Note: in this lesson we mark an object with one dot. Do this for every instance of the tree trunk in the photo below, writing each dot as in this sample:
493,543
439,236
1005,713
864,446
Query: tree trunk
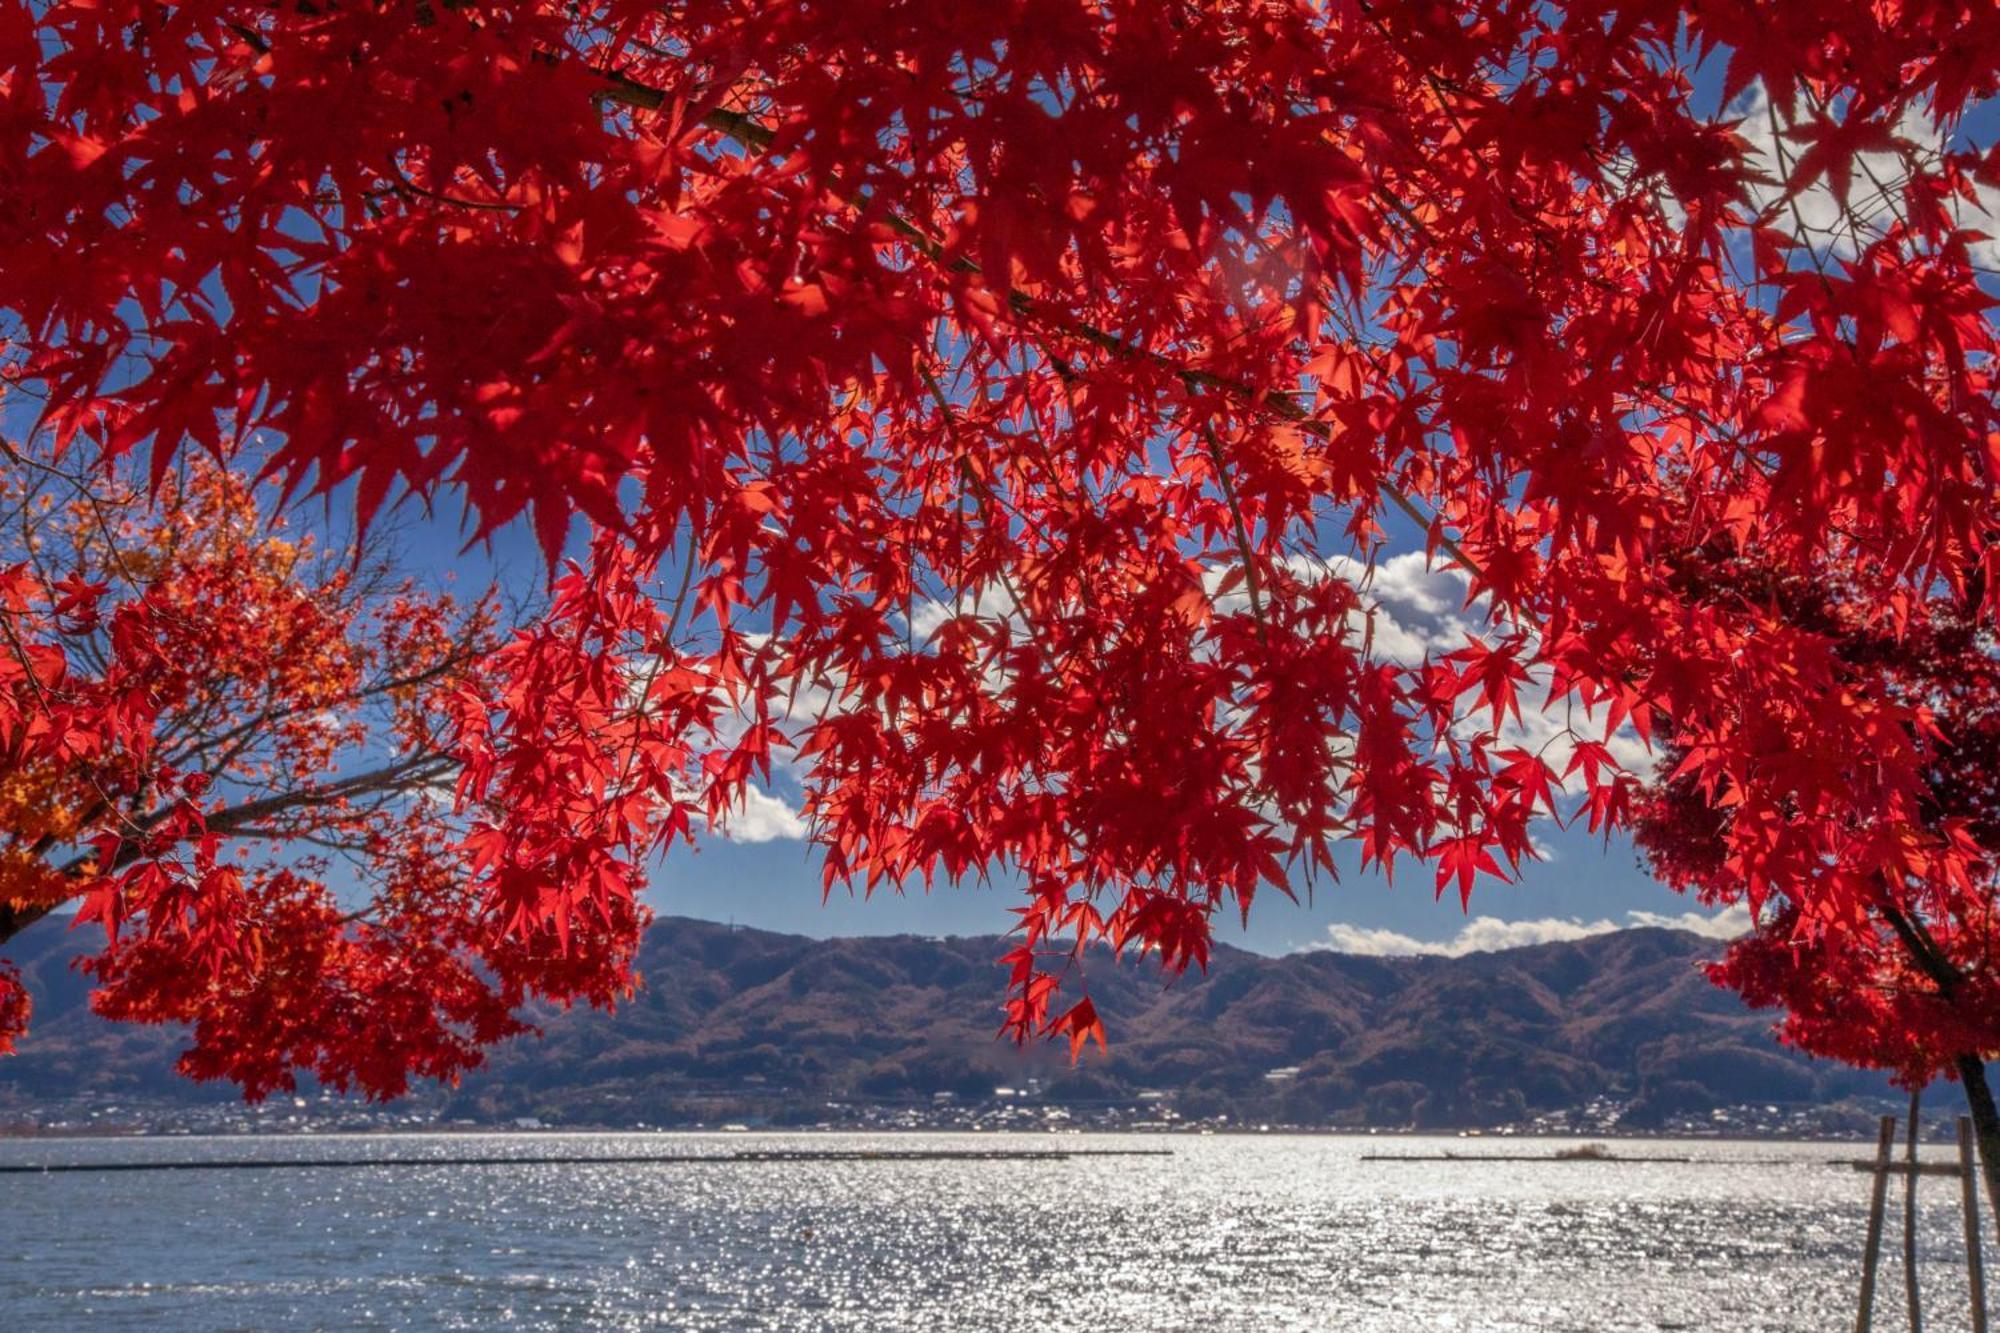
1985,1127
14,919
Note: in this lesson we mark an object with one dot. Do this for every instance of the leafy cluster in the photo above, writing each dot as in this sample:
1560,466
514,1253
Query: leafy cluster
1906,977
225,754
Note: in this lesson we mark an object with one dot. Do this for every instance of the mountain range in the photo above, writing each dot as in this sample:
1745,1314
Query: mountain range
749,1024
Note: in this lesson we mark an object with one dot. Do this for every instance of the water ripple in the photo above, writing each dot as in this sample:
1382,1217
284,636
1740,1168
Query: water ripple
1265,1233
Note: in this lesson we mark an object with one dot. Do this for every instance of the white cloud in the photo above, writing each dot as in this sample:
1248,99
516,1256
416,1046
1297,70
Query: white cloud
762,817
1485,934
1816,216
1551,730
990,602
1412,581
1724,925
1372,943
1390,640
1416,609
1412,604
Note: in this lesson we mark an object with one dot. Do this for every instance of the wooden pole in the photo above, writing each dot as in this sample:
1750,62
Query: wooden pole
1975,1267
1910,1219
1871,1254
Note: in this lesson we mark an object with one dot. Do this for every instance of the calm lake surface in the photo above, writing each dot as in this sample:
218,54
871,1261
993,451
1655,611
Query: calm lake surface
1259,1232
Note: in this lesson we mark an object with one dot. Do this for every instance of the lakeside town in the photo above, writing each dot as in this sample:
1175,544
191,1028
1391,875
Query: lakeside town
1008,1110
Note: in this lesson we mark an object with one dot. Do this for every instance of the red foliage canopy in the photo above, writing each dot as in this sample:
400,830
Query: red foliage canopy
967,397
1910,982
225,721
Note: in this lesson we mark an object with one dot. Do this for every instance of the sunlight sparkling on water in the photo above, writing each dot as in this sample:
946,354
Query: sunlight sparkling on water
1229,1233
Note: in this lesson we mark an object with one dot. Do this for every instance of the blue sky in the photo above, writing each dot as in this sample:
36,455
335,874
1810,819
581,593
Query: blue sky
775,886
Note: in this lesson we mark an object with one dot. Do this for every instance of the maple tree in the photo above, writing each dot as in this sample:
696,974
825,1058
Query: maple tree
1910,980
250,818
965,402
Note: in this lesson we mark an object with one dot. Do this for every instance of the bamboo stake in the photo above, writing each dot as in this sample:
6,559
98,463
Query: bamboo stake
1871,1254
1910,1219
1975,1267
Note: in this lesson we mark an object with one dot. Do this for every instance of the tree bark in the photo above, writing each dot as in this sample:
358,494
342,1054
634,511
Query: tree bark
15,919
1985,1127
1971,1068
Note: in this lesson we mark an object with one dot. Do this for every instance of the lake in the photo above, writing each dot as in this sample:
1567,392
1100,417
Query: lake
1249,1232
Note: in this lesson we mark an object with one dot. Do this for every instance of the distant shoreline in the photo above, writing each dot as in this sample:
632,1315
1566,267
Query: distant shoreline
765,1131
